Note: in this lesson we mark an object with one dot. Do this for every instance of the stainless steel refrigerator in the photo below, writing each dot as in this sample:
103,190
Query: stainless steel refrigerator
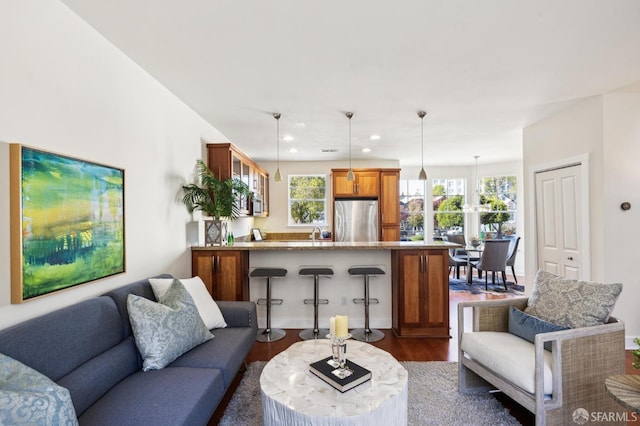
355,220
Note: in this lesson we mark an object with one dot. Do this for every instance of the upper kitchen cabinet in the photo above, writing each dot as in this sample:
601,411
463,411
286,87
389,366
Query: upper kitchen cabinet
227,161
366,183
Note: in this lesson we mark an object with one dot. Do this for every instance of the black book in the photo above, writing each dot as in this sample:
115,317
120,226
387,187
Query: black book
324,370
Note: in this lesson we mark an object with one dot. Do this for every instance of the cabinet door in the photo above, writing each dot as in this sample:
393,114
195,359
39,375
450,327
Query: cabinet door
390,233
410,309
390,205
225,272
436,289
367,184
341,186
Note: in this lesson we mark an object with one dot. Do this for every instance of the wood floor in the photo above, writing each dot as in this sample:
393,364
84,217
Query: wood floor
407,349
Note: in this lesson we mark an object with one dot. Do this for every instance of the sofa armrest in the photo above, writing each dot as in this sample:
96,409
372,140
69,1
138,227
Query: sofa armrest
582,359
488,315
239,314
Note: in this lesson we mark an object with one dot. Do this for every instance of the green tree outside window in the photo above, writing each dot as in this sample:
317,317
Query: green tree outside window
307,199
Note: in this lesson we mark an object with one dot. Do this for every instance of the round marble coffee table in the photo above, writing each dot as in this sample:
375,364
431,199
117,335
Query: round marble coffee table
291,394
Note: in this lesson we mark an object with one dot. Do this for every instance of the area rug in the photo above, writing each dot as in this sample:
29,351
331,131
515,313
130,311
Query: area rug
433,399
477,287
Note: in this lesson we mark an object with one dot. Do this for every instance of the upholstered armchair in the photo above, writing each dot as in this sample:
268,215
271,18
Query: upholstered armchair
553,383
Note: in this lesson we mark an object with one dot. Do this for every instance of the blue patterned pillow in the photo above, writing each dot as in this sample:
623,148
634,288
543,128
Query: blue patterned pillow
164,331
571,303
27,397
527,326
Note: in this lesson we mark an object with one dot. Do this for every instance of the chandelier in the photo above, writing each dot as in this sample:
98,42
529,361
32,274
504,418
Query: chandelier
475,205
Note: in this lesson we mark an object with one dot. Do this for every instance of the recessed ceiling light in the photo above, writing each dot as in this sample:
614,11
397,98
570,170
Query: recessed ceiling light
293,150
374,137
366,149
300,125
287,138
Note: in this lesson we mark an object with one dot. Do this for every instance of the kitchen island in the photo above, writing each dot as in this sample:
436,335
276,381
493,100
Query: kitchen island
413,294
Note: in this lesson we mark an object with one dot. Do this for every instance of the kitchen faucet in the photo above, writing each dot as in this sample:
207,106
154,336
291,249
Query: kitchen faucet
313,233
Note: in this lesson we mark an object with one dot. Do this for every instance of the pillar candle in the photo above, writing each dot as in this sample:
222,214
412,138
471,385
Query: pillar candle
332,326
342,325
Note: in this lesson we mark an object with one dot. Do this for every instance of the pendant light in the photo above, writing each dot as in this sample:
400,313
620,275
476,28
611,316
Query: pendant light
423,174
475,205
350,175
278,176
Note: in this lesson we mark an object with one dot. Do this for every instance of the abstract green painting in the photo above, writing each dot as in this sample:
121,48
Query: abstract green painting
71,222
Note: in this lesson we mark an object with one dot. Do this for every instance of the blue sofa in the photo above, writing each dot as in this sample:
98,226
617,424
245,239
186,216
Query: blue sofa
89,349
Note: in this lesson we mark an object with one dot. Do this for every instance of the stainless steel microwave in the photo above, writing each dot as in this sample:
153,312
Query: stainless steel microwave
256,201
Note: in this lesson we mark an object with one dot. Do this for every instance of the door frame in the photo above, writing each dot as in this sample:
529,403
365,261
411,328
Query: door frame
582,160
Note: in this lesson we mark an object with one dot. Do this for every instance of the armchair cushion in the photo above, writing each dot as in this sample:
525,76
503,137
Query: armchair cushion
527,326
571,303
509,356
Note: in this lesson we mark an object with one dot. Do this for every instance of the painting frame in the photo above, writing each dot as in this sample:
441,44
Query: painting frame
67,222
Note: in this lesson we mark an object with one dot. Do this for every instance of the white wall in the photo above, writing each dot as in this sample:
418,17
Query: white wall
607,130
65,89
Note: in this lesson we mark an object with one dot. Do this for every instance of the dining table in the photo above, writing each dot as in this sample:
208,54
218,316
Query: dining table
472,249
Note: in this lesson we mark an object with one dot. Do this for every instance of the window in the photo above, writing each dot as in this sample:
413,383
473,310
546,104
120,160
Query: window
411,210
307,200
448,198
500,193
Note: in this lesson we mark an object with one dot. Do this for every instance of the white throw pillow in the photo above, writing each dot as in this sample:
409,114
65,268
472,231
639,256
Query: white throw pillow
207,307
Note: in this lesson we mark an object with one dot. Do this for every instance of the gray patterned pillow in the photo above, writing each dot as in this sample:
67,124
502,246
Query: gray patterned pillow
571,303
164,331
27,397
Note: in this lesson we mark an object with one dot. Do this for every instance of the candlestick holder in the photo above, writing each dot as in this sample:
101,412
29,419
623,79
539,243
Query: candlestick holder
339,355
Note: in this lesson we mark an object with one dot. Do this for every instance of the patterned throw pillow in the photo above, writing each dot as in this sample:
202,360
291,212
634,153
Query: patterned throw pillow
208,308
164,331
28,397
571,303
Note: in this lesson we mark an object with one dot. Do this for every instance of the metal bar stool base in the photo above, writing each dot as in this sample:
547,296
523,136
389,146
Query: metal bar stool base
272,335
372,336
308,334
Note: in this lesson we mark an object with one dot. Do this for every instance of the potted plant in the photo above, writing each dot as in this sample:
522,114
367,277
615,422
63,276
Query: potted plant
216,198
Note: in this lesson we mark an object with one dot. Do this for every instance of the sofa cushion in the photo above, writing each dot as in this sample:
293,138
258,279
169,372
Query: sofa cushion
226,352
527,326
58,342
571,303
139,288
164,331
171,396
509,356
207,307
28,397
94,378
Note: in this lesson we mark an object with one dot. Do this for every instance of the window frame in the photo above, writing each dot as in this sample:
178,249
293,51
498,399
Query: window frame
290,221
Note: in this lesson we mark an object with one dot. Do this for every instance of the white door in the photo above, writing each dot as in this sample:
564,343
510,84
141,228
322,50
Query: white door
559,222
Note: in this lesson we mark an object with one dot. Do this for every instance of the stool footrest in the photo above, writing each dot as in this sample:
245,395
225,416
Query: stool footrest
265,301
372,300
320,301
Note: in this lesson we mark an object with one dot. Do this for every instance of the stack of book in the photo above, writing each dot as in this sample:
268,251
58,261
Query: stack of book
356,374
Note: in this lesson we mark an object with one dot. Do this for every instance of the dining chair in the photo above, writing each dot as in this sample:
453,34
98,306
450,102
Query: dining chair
514,240
493,259
457,256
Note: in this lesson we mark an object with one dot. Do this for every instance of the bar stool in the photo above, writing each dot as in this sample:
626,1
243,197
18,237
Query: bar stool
269,334
366,334
315,332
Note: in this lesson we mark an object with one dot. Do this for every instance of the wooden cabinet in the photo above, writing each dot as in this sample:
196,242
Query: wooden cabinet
366,183
225,272
420,293
389,205
227,161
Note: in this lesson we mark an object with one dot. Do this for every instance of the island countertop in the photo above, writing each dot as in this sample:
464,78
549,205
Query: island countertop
330,245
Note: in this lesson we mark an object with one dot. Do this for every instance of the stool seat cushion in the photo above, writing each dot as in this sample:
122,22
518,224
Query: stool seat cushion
366,271
316,271
268,272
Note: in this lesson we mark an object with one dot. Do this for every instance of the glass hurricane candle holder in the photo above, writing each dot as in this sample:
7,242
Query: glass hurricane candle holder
339,355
